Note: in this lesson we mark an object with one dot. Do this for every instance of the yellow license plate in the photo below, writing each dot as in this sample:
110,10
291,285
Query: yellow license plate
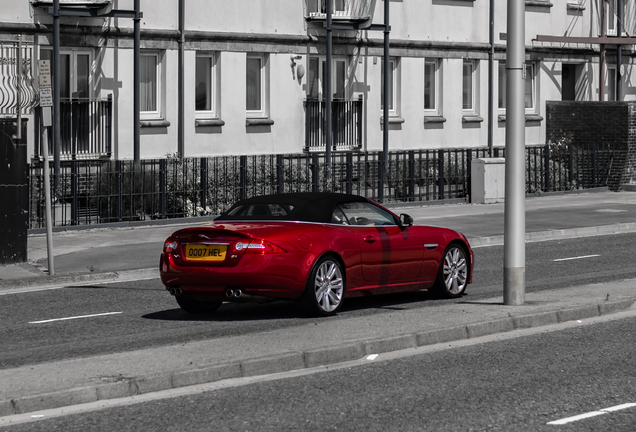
205,252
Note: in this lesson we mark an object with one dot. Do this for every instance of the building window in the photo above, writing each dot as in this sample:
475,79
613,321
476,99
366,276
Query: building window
316,78
393,87
611,83
529,87
256,85
431,84
468,86
205,85
150,85
75,67
611,17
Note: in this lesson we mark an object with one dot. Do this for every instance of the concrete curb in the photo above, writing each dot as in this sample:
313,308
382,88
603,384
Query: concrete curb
77,278
558,234
354,350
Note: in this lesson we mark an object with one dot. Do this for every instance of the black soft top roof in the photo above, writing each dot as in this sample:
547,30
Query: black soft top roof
307,206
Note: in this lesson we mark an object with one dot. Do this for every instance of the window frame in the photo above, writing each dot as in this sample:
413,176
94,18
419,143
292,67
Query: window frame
611,19
435,63
72,83
530,71
610,82
394,65
264,89
319,84
157,113
472,108
213,90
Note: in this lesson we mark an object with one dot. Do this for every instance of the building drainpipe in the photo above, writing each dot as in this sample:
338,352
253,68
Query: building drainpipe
181,129
491,73
329,96
136,78
619,49
385,112
601,78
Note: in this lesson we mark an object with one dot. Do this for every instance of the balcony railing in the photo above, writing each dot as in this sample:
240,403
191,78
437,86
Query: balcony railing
85,129
350,10
346,124
16,78
72,2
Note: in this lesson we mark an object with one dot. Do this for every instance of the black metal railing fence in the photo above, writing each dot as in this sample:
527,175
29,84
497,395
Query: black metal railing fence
85,129
93,191
346,124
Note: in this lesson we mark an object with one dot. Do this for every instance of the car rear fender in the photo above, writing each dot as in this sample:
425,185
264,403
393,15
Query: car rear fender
340,261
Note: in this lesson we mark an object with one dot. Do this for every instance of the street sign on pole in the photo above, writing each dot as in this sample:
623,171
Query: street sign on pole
46,103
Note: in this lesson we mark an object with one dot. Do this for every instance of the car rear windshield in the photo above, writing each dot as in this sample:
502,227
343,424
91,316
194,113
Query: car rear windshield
265,211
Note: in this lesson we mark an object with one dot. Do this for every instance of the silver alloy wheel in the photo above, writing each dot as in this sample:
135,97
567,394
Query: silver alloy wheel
455,270
328,286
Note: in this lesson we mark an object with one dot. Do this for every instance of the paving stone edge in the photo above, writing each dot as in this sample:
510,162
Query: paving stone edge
287,361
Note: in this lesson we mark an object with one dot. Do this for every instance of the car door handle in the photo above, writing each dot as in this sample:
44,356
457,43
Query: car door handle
369,239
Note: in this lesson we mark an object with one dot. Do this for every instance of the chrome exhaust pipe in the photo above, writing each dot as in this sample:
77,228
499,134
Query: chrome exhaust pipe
238,293
176,291
229,292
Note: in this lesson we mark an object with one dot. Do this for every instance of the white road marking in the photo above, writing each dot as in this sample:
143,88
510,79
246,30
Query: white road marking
592,414
75,317
575,258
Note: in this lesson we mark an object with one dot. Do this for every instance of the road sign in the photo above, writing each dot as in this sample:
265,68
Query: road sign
44,75
46,97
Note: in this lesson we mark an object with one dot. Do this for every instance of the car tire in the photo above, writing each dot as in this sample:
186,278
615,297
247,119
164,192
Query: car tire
452,276
325,288
191,305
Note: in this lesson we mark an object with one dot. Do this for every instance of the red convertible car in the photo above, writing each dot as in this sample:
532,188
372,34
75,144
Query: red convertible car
317,248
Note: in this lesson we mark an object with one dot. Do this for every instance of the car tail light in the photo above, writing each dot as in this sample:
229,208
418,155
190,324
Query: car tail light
257,246
170,245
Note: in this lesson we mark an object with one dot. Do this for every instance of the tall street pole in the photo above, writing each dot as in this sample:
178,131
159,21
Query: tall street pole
514,208
136,77
57,136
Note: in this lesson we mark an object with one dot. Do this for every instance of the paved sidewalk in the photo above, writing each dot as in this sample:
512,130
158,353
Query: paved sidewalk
319,342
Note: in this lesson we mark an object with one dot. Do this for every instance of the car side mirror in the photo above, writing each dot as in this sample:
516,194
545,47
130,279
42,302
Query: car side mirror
406,220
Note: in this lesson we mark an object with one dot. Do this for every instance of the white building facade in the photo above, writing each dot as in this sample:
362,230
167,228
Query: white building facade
254,74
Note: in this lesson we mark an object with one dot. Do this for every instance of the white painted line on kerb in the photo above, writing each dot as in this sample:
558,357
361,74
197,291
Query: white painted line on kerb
592,414
575,258
75,317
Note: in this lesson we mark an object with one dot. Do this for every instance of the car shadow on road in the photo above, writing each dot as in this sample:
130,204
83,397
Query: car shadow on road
289,310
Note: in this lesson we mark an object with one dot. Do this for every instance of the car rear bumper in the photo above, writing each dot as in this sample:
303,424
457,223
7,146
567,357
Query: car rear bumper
275,276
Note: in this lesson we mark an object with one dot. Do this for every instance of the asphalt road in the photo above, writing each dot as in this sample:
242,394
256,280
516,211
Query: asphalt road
141,314
513,384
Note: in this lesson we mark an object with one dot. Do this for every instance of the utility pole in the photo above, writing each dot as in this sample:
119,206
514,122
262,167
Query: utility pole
57,135
515,195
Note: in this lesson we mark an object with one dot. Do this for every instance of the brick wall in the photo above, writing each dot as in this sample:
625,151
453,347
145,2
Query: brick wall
598,123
